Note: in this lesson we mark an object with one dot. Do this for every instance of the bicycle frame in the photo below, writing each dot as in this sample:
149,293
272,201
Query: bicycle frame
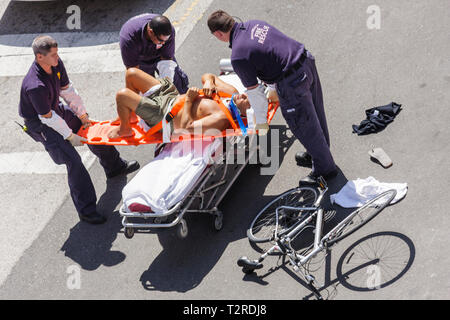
319,243
283,241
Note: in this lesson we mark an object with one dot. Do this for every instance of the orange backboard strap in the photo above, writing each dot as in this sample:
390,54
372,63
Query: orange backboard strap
225,110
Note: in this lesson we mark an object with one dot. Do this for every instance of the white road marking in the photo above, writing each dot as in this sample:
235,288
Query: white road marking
37,163
78,50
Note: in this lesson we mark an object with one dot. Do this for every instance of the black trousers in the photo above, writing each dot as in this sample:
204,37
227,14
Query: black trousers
62,152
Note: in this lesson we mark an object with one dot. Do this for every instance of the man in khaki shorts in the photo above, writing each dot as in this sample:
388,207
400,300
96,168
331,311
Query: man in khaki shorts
151,99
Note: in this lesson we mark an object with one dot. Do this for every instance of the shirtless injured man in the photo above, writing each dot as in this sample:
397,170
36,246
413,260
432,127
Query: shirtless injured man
152,100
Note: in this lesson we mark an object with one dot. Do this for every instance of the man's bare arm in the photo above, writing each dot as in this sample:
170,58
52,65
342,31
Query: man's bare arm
186,114
212,83
209,84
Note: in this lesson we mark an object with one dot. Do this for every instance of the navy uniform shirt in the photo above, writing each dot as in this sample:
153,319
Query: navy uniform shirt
136,48
261,51
40,91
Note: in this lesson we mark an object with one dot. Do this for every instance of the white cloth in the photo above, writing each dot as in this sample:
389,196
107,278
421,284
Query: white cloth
151,90
356,193
258,102
166,126
168,178
58,124
234,80
72,98
144,126
166,68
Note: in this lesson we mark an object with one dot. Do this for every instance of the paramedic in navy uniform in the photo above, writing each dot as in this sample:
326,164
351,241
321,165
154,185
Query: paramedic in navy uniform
258,50
147,42
55,125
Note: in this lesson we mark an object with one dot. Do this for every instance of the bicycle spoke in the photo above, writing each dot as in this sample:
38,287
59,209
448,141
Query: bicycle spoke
389,256
263,226
360,216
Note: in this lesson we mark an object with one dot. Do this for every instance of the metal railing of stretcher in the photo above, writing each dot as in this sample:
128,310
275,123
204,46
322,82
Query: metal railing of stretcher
208,194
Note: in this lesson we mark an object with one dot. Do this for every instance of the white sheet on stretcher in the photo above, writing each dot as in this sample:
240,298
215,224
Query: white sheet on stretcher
170,176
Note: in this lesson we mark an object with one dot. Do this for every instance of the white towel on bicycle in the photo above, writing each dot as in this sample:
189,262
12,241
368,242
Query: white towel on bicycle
356,193
170,175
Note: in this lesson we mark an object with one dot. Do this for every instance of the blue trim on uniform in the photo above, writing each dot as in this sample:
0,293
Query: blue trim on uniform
236,115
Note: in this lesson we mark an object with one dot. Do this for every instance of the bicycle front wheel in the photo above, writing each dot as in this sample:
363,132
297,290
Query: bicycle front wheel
360,217
263,226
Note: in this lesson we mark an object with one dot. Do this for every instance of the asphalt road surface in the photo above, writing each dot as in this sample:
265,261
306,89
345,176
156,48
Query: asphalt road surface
44,247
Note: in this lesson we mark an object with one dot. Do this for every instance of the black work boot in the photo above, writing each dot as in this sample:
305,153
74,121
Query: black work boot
130,166
93,218
303,159
312,178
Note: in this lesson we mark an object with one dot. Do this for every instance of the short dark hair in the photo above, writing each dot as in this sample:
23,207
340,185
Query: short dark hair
43,45
220,21
161,26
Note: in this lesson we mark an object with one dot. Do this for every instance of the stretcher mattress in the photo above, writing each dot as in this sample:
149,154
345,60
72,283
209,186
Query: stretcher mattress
168,178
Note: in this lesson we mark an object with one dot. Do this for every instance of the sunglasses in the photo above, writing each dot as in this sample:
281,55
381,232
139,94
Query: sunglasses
161,40
156,36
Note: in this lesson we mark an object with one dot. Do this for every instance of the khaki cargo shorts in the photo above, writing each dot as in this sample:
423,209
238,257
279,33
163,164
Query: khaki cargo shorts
154,107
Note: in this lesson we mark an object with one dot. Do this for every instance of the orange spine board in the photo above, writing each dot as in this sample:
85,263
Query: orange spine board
97,133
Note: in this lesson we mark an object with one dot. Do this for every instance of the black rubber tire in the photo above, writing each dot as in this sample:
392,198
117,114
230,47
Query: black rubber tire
263,225
128,232
182,229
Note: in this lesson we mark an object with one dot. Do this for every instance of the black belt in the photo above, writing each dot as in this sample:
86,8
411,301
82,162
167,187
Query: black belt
296,66
33,124
169,116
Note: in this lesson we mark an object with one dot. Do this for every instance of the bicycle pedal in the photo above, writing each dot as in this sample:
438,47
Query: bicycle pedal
249,264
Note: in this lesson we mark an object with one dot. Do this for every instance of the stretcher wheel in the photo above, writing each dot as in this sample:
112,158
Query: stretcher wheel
129,232
182,229
218,221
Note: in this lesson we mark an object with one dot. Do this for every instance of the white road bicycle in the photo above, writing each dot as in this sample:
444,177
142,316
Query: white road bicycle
285,218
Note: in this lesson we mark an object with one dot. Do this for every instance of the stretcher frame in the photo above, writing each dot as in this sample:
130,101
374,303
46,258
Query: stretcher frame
209,203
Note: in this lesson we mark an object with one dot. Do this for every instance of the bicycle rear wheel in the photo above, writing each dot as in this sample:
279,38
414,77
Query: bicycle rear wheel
263,226
360,217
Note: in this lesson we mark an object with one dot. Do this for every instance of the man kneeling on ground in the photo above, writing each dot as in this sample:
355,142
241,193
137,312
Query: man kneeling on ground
151,99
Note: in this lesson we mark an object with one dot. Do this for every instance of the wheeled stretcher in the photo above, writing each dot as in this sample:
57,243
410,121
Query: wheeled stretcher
201,187
175,183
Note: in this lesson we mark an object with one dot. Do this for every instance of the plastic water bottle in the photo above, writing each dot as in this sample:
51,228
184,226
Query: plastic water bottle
251,120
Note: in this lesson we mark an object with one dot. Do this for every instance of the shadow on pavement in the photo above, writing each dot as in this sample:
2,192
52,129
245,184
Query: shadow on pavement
391,253
90,245
371,263
43,17
183,263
